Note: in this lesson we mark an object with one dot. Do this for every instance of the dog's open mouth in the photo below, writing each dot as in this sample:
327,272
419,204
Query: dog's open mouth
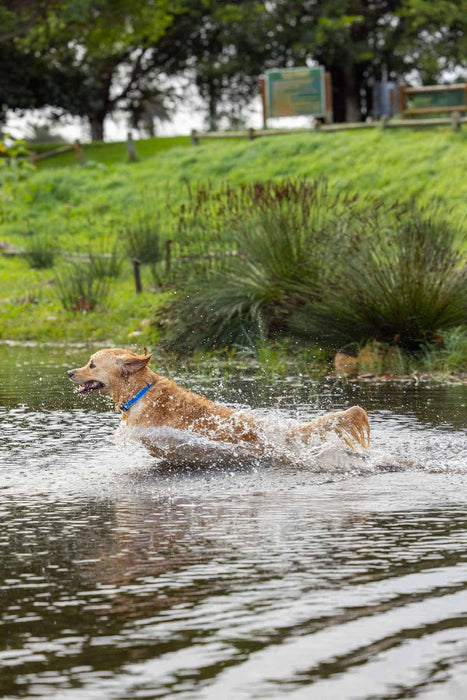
87,387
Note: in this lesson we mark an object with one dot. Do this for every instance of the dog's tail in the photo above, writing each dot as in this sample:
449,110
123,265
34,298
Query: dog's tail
351,426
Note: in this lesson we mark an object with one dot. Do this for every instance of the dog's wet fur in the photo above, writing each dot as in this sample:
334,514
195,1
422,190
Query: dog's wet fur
122,374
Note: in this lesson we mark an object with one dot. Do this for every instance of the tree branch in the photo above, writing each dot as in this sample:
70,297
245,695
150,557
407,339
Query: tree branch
136,73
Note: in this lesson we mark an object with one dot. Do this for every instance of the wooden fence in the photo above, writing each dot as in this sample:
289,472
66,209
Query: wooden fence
455,122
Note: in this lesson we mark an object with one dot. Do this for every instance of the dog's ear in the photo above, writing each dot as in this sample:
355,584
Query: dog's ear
133,364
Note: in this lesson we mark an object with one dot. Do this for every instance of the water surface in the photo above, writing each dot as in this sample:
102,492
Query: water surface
333,577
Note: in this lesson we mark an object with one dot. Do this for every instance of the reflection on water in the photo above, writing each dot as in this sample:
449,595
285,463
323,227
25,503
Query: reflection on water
124,578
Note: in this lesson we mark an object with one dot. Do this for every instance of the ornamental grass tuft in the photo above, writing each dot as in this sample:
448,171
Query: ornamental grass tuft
404,285
79,289
306,262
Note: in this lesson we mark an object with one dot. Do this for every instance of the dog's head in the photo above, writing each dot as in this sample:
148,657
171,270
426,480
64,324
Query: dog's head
107,370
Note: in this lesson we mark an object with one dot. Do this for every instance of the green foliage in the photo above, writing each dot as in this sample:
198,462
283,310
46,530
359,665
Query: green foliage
405,283
309,262
142,238
108,262
70,53
283,239
14,165
445,23
40,252
82,208
90,57
450,354
79,289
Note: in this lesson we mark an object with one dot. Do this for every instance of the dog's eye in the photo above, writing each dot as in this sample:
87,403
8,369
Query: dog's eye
91,365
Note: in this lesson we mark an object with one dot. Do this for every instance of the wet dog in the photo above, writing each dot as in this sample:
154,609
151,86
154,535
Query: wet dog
146,399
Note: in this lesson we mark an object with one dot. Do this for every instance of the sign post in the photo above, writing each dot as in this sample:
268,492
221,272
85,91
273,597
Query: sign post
295,92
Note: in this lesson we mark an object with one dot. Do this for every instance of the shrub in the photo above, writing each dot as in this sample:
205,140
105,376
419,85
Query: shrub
39,252
402,286
79,289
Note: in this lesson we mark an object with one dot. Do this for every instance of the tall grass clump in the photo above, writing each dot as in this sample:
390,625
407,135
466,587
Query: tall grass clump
283,237
450,356
108,262
142,240
40,252
404,284
79,289
296,259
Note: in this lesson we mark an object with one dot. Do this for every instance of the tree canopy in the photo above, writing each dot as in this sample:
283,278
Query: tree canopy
92,57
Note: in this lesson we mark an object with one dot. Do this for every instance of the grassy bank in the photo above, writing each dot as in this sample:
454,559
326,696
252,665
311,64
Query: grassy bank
108,153
84,209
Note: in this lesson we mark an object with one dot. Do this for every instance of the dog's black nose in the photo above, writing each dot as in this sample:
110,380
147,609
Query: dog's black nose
70,372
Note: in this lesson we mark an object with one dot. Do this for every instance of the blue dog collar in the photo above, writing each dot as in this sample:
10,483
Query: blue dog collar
136,398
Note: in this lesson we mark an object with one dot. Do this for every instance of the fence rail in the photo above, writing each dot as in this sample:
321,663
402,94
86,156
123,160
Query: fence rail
455,121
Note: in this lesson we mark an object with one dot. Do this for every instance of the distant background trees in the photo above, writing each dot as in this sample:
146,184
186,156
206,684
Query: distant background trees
89,58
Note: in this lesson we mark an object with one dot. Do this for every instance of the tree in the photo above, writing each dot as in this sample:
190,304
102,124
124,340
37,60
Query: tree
436,37
107,43
227,53
28,81
92,57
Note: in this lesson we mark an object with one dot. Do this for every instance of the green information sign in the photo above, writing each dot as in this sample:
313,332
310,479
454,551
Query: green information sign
295,92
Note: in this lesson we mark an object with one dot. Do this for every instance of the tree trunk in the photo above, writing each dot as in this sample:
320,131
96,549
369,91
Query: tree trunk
96,122
101,73
352,98
212,105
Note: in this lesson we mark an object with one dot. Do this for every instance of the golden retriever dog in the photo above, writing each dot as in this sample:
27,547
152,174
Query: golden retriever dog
146,399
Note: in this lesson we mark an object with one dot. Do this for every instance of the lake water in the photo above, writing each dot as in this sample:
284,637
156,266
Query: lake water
340,577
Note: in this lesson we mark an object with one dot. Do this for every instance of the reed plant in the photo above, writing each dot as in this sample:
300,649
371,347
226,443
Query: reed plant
108,262
143,241
40,253
79,289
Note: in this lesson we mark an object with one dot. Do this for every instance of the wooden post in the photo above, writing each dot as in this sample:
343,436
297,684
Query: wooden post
194,138
78,151
456,121
328,97
262,89
392,101
401,100
137,275
251,133
32,157
384,121
130,148
168,256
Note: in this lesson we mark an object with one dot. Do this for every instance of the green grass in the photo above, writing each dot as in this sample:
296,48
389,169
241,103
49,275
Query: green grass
82,207
108,153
